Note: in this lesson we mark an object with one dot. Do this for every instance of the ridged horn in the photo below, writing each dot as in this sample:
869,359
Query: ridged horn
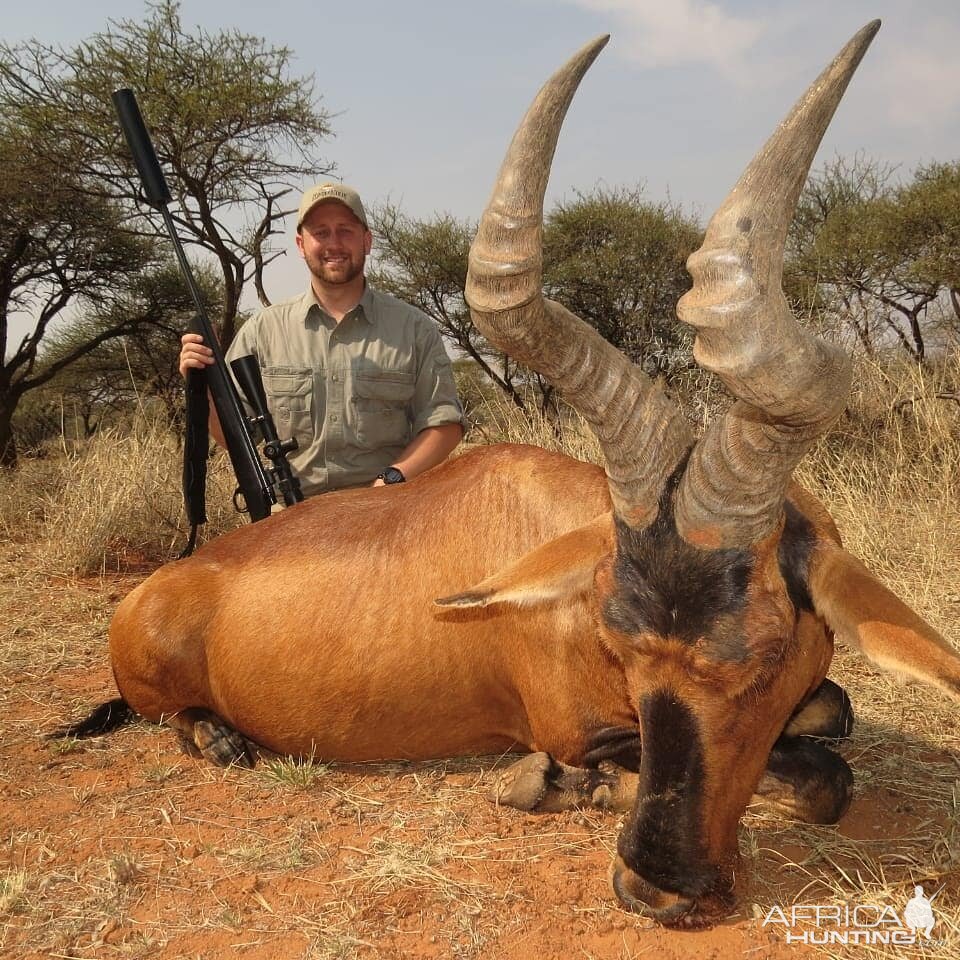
791,385
642,434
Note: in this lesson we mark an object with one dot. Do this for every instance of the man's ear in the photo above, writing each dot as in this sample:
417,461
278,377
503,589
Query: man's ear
367,243
863,613
561,568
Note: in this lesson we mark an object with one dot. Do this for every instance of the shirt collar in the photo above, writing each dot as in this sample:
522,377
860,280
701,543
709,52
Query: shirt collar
366,312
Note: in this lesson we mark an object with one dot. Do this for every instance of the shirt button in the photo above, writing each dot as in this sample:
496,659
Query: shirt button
334,418
336,378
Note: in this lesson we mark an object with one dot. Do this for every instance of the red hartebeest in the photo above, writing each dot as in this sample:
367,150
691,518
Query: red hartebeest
674,616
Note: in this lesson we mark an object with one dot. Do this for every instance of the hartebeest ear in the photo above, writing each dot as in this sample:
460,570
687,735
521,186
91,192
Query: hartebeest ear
560,568
862,612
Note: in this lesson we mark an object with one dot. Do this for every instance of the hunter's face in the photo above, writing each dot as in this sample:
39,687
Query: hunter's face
334,243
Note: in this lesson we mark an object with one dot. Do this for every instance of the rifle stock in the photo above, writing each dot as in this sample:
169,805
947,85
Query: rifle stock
255,482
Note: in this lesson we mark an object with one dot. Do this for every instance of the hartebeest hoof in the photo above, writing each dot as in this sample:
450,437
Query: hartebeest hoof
539,783
221,745
217,742
828,713
523,784
806,781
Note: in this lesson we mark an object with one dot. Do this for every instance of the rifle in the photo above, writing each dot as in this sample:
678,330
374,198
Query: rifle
257,485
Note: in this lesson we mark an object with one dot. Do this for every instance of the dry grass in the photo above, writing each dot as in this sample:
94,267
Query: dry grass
890,473
502,421
126,848
116,505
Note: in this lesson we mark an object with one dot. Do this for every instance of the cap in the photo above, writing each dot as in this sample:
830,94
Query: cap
331,191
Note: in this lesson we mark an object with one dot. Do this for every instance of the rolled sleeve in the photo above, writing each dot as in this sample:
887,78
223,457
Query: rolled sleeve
435,400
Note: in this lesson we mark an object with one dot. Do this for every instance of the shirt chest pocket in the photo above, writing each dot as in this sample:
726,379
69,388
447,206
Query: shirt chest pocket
381,403
290,398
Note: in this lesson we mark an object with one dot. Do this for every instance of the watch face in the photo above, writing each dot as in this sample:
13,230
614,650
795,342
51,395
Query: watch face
393,475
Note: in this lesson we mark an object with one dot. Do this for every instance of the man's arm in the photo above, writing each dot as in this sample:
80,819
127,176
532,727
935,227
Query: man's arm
434,399
430,446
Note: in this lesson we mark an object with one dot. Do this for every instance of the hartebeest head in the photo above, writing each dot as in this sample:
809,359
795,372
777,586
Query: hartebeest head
717,645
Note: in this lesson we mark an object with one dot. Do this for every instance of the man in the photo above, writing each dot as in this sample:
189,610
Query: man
359,377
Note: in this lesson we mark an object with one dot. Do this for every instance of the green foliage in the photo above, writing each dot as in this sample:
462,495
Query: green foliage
614,259
59,244
424,262
618,261
139,370
931,214
878,257
297,772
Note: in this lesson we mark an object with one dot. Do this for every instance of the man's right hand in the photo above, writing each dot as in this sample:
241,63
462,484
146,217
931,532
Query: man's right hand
194,354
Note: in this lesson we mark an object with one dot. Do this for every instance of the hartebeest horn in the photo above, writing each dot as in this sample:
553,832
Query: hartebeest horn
792,385
642,434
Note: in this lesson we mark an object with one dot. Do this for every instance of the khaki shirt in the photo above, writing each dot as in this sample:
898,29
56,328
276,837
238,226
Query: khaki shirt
354,394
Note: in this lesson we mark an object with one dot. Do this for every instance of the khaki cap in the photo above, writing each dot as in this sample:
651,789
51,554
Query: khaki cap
331,191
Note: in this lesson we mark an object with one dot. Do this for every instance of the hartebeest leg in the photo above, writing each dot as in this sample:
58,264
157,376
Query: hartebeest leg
217,742
618,745
804,780
539,783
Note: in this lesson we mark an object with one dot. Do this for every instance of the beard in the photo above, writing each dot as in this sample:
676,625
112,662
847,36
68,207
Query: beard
336,274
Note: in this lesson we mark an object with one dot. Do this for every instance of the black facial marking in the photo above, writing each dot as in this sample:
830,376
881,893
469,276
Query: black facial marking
660,840
670,588
796,546
619,745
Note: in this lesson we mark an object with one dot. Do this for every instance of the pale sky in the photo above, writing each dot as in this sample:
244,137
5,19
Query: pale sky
427,93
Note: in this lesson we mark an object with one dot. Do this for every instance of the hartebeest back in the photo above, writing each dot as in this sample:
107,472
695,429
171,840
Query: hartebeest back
673,614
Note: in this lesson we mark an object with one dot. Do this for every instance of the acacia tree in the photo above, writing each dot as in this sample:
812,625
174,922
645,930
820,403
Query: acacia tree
59,246
233,130
880,255
141,366
612,257
618,261
930,213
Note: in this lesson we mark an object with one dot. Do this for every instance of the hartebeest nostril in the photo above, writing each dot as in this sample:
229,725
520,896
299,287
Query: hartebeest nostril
651,902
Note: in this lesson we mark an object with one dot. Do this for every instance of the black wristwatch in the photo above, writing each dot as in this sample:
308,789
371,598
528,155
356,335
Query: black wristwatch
392,475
